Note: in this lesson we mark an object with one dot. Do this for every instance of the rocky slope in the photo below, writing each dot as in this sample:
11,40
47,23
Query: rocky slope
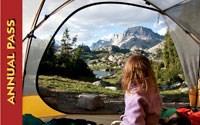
134,37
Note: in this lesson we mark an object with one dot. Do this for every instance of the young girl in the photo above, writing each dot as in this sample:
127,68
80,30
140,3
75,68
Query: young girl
142,98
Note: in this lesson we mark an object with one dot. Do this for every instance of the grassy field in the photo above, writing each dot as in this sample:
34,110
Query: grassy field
77,86
174,95
114,79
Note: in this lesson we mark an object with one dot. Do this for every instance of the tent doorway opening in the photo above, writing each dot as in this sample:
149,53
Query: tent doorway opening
66,52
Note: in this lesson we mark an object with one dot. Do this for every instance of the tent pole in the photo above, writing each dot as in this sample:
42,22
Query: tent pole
46,17
31,35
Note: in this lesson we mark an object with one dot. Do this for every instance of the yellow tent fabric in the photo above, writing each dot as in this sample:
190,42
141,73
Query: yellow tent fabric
35,105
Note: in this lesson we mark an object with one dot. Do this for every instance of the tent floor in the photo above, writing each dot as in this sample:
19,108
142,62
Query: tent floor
35,106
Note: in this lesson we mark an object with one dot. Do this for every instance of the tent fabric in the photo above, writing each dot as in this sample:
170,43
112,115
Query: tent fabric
163,4
37,49
36,106
183,23
188,52
186,15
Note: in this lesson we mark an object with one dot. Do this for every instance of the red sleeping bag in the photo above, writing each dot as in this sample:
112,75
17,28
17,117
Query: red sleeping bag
194,117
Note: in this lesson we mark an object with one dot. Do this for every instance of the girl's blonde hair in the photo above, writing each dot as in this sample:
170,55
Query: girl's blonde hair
138,72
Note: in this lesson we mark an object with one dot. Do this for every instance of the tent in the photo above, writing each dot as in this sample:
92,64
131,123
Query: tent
181,16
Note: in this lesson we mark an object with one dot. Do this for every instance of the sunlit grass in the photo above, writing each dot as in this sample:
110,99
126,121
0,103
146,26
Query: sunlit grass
174,95
114,79
171,92
75,86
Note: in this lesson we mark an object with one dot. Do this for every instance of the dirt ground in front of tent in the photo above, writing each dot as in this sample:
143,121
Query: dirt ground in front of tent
67,103
110,108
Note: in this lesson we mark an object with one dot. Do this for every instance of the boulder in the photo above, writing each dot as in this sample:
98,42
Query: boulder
98,83
90,101
184,90
175,85
111,87
112,58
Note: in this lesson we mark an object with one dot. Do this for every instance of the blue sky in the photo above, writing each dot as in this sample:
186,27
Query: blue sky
94,23
103,21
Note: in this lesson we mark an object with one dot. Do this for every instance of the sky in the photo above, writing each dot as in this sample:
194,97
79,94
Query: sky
93,23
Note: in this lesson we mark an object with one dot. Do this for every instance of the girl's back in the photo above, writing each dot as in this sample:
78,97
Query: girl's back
142,98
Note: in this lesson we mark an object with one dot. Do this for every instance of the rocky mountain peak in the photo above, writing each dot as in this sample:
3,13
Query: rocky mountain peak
142,33
138,36
100,43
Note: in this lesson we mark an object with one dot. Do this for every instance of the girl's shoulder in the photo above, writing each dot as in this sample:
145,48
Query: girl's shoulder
135,95
143,92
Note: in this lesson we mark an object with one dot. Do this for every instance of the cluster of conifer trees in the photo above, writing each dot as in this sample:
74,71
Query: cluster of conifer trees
169,70
65,62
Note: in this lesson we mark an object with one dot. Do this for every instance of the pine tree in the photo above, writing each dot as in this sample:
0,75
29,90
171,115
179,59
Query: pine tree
65,47
70,63
166,54
172,65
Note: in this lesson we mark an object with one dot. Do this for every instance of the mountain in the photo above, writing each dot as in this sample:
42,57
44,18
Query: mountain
155,48
134,37
84,48
100,43
109,48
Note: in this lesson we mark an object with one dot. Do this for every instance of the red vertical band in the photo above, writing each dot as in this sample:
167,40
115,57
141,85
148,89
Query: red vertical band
11,62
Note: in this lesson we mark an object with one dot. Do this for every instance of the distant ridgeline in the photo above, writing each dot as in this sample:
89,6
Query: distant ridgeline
133,38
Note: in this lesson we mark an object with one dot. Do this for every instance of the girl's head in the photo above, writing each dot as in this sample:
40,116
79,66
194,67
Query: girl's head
138,72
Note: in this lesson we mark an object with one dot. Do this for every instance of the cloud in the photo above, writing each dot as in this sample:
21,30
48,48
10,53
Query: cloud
92,23
105,19
161,27
162,31
159,24
112,14
107,37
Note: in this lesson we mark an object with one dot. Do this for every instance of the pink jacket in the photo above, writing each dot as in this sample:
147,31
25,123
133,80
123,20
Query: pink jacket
142,109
